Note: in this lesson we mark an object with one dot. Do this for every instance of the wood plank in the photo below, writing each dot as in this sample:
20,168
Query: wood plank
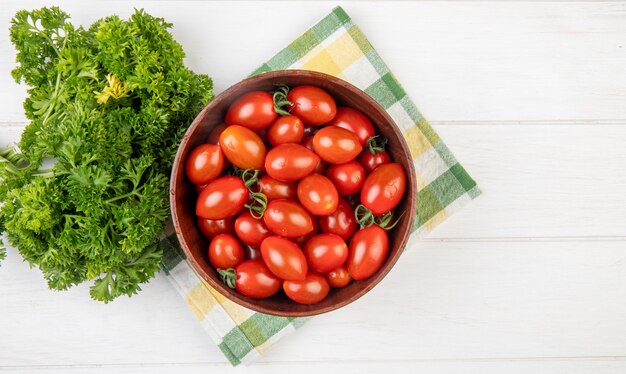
459,61
536,366
442,301
540,181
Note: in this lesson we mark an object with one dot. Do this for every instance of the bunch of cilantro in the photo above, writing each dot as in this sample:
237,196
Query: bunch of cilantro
85,195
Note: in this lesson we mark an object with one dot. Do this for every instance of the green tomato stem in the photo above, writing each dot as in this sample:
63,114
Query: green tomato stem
376,144
258,205
280,100
229,276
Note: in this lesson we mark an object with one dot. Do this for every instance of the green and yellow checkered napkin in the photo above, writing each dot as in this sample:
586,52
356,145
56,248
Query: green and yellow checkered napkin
335,46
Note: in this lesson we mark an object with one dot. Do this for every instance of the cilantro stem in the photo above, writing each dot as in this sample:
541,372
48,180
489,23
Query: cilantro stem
52,100
134,192
50,41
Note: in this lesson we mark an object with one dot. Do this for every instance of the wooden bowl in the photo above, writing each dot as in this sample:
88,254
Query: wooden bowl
183,195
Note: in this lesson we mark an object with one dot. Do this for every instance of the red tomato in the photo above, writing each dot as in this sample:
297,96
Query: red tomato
286,129
318,194
222,198
204,163
251,231
321,165
284,258
336,145
214,138
368,250
383,188
302,240
275,189
242,147
313,289
348,177
338,278
372,161
225,252
213,227
341,222
254,110
326,252
255,280
355,121
214,135
287,218
312,105
290,162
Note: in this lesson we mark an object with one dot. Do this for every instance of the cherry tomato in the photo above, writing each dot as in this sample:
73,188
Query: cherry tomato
302,240
251,231
325,252
321,165
341,222
254,110
287,218
213,227
367,252
275,189
243,147
255,280
318,194
383,188
313,289
222,198
355,121
348,177
225,252
336,145
214,135
284,258
372,161
312,105
214,138
204,163
290,162
338,278
286,129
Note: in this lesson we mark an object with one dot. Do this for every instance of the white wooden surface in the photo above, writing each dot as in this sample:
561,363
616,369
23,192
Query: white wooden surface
530,278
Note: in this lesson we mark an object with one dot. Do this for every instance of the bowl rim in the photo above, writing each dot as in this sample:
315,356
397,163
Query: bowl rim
220,286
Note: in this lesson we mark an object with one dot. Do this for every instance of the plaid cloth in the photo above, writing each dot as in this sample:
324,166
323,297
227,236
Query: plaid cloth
335,46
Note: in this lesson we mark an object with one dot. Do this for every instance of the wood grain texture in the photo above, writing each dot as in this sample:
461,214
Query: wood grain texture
529,278
457,60
537,366
443,301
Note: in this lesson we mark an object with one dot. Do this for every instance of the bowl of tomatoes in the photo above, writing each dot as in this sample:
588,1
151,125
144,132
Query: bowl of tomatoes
293,193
